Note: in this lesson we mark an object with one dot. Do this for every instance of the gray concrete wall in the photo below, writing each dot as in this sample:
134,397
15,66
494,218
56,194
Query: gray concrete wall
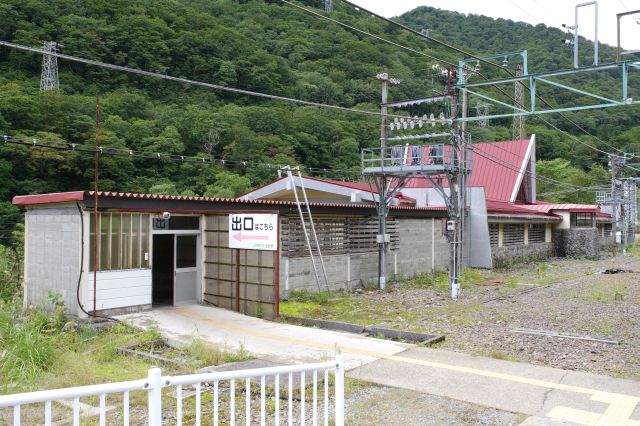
52,254
576,242
415,254
501,255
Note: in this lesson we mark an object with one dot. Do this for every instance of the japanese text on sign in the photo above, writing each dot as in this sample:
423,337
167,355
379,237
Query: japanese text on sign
253,231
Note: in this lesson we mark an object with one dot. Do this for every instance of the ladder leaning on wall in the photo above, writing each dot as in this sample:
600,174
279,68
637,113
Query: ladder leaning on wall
313,239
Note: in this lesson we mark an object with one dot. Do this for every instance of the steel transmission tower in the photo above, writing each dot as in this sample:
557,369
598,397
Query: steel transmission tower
328,6
519,132
482,110
49,77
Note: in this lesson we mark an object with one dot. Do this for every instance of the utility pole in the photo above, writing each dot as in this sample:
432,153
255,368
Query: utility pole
381,184
49,77
389,167
618,200
519,132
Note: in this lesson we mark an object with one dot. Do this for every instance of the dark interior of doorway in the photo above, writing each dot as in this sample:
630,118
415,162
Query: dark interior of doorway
162,270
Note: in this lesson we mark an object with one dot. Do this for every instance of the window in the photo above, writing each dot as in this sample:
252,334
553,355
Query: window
186,251
513,234
582,220
607,229
494,234
536,233
123,241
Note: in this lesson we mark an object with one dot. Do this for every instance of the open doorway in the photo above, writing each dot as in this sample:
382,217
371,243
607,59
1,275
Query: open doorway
163,269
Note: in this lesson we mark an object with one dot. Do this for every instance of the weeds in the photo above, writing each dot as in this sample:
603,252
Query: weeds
321,298
211,355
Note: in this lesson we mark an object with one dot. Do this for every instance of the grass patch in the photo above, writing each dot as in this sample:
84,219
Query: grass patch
44,349
435,280
206,354
321,298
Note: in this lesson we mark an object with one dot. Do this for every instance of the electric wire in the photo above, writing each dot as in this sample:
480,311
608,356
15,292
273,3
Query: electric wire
178,158
502,163
189,81
481,75
393,43
523,10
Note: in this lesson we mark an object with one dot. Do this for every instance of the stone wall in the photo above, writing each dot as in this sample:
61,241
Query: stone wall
576,242
52,255
501,255
416,253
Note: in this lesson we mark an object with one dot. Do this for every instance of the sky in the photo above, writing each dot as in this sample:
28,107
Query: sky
549,12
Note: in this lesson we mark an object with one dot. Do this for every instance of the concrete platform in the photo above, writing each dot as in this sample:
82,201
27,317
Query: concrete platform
283,343
551,396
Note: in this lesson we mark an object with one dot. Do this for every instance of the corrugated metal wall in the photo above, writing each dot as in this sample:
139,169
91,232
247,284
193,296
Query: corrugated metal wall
235,279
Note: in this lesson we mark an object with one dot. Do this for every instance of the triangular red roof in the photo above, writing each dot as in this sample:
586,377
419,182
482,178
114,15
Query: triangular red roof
496,167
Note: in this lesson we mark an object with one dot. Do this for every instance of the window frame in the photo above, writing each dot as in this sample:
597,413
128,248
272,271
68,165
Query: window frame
579,219
129,256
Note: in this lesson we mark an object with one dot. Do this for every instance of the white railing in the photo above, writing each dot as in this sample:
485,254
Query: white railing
221,386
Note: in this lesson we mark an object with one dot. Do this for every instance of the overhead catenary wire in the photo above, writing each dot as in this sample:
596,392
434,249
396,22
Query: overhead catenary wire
189,81
358,30
449,46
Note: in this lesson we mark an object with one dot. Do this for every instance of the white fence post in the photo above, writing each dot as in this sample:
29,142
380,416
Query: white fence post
339,391
155,397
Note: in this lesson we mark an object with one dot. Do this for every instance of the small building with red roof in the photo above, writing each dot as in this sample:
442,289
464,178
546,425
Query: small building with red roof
114,252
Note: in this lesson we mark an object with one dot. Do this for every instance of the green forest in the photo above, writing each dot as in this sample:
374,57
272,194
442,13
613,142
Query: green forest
263,46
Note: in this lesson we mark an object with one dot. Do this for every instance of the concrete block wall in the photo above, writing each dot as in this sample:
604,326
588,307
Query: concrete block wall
576,242
415,254
52,254
503,254
422,247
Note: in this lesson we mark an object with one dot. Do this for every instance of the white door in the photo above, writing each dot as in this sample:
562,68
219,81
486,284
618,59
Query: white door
185,285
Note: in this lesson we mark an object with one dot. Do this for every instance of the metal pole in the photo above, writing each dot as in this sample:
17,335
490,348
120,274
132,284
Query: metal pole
381,186
96,170
339,382
155,396
618,16
595,42
575,40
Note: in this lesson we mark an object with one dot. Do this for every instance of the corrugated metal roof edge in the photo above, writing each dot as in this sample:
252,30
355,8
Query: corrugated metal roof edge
25,200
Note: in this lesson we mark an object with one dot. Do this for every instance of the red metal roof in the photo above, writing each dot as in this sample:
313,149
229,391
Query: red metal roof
548,207
56,197
24,200
497,207
496,168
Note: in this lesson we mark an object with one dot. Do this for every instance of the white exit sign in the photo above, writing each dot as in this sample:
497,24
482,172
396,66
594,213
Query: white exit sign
253,231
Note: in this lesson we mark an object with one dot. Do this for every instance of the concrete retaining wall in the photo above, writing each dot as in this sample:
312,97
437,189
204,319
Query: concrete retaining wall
421,248
576,242
535,250
52,255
